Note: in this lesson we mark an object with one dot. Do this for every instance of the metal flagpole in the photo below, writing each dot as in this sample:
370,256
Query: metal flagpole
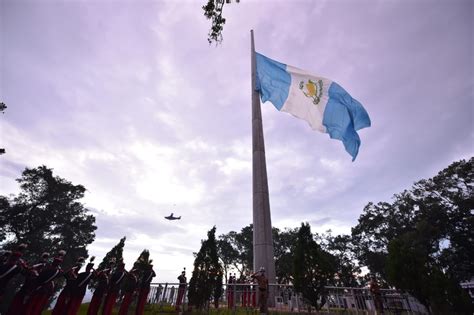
263,254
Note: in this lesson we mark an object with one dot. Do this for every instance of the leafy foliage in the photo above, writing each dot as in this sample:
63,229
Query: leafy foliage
213,11
284,243
314,268
240,253
423,241
206,280
236,251
411,268
226,252
47,216
347,271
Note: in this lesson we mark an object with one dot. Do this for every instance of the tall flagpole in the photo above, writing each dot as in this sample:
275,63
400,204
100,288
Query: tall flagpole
263,254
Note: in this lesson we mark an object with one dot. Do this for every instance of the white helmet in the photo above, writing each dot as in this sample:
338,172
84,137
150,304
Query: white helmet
262,269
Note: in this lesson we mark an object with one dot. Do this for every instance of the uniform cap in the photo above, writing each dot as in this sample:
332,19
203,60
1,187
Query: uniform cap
262,269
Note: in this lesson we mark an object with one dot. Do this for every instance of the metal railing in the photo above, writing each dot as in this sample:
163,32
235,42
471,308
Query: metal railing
237,295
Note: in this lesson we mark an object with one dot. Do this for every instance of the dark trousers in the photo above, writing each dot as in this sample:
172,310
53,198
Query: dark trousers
142,296
127,300
179,300
262,301
75,303
109,303
95,303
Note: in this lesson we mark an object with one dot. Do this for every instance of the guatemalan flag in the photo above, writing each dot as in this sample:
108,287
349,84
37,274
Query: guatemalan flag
324,104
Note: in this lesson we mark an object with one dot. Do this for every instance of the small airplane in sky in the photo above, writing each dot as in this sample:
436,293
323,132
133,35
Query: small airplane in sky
171,217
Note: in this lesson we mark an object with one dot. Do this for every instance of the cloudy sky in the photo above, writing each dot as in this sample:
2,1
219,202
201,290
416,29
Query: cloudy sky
128,99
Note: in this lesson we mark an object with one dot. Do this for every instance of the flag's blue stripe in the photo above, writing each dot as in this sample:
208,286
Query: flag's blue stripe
343,116
273,81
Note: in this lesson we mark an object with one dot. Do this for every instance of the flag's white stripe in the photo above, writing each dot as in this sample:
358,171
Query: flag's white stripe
301,106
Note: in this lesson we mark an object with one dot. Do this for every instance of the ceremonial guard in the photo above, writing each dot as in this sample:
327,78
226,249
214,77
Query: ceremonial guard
376,295
20,300
129,288
11,267
102,277
245,291
44,288
230,291
148,275
182,288
262,282
79,288
62,304
113,288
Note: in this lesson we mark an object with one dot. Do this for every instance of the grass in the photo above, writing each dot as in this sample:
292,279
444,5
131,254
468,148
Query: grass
170,310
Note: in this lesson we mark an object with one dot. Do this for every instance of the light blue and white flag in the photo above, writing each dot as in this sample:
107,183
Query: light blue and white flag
324,104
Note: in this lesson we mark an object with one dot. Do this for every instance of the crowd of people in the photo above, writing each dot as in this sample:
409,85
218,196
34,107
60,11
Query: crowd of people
112,283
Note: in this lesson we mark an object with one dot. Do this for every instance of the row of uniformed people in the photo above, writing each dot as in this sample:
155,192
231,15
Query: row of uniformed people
39,285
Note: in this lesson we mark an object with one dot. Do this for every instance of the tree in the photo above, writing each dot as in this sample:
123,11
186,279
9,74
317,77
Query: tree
410,267
314,268
47,216
341,247
206,280
284,243
432,221
226,252
213,11
236,250
444,201
241,255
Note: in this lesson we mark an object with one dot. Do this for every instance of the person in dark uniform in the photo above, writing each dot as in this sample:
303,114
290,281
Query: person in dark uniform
114,288
230,291
376,295
20,300
148,275
44,288
79,288
102,277
129,288
182,288
245,290
262,283
62,304
11,267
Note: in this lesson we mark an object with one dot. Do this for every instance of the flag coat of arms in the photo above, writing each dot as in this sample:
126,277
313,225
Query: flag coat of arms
324,104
